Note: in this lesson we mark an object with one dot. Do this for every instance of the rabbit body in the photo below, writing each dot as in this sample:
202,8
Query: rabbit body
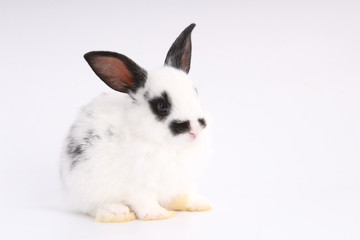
134,155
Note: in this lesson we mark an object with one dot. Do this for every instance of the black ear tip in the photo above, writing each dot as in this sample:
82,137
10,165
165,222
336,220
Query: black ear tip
187,31
88,55
190,27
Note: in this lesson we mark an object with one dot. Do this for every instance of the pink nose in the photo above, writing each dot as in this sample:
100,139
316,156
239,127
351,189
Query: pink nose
192,135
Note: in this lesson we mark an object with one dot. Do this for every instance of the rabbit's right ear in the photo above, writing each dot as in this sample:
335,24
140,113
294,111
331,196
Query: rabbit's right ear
179,54
116,70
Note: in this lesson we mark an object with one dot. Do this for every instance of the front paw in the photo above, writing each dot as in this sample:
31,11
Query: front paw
114,213
189,203
157,213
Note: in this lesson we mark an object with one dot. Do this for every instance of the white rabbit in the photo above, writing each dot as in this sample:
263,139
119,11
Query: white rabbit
137,155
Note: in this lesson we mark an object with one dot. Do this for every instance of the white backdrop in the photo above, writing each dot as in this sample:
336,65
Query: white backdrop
281,81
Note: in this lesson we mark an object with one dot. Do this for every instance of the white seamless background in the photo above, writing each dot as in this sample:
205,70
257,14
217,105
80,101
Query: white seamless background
281,80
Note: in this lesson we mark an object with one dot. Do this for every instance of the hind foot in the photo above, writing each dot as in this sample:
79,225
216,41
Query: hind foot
189,203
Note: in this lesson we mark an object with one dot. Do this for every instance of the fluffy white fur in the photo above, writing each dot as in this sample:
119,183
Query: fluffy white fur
135,164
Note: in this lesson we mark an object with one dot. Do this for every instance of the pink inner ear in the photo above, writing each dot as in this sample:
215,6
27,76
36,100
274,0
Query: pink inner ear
185,57
114,73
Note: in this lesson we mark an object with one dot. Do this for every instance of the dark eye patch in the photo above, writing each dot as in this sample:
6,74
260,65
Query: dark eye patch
161,106
178,127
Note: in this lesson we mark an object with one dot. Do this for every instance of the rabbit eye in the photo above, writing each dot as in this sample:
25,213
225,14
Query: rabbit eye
162,107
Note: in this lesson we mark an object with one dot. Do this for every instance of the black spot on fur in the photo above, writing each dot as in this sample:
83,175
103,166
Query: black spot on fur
73,148
75,151
90,137
161,106
178,127
76,148
202,122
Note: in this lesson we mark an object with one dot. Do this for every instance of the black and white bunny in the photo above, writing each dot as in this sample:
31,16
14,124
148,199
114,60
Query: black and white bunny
137,155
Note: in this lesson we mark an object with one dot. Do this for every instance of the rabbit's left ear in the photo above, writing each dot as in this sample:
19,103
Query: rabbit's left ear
116,70
179,54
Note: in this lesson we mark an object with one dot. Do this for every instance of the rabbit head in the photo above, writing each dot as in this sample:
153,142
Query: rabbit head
164,104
